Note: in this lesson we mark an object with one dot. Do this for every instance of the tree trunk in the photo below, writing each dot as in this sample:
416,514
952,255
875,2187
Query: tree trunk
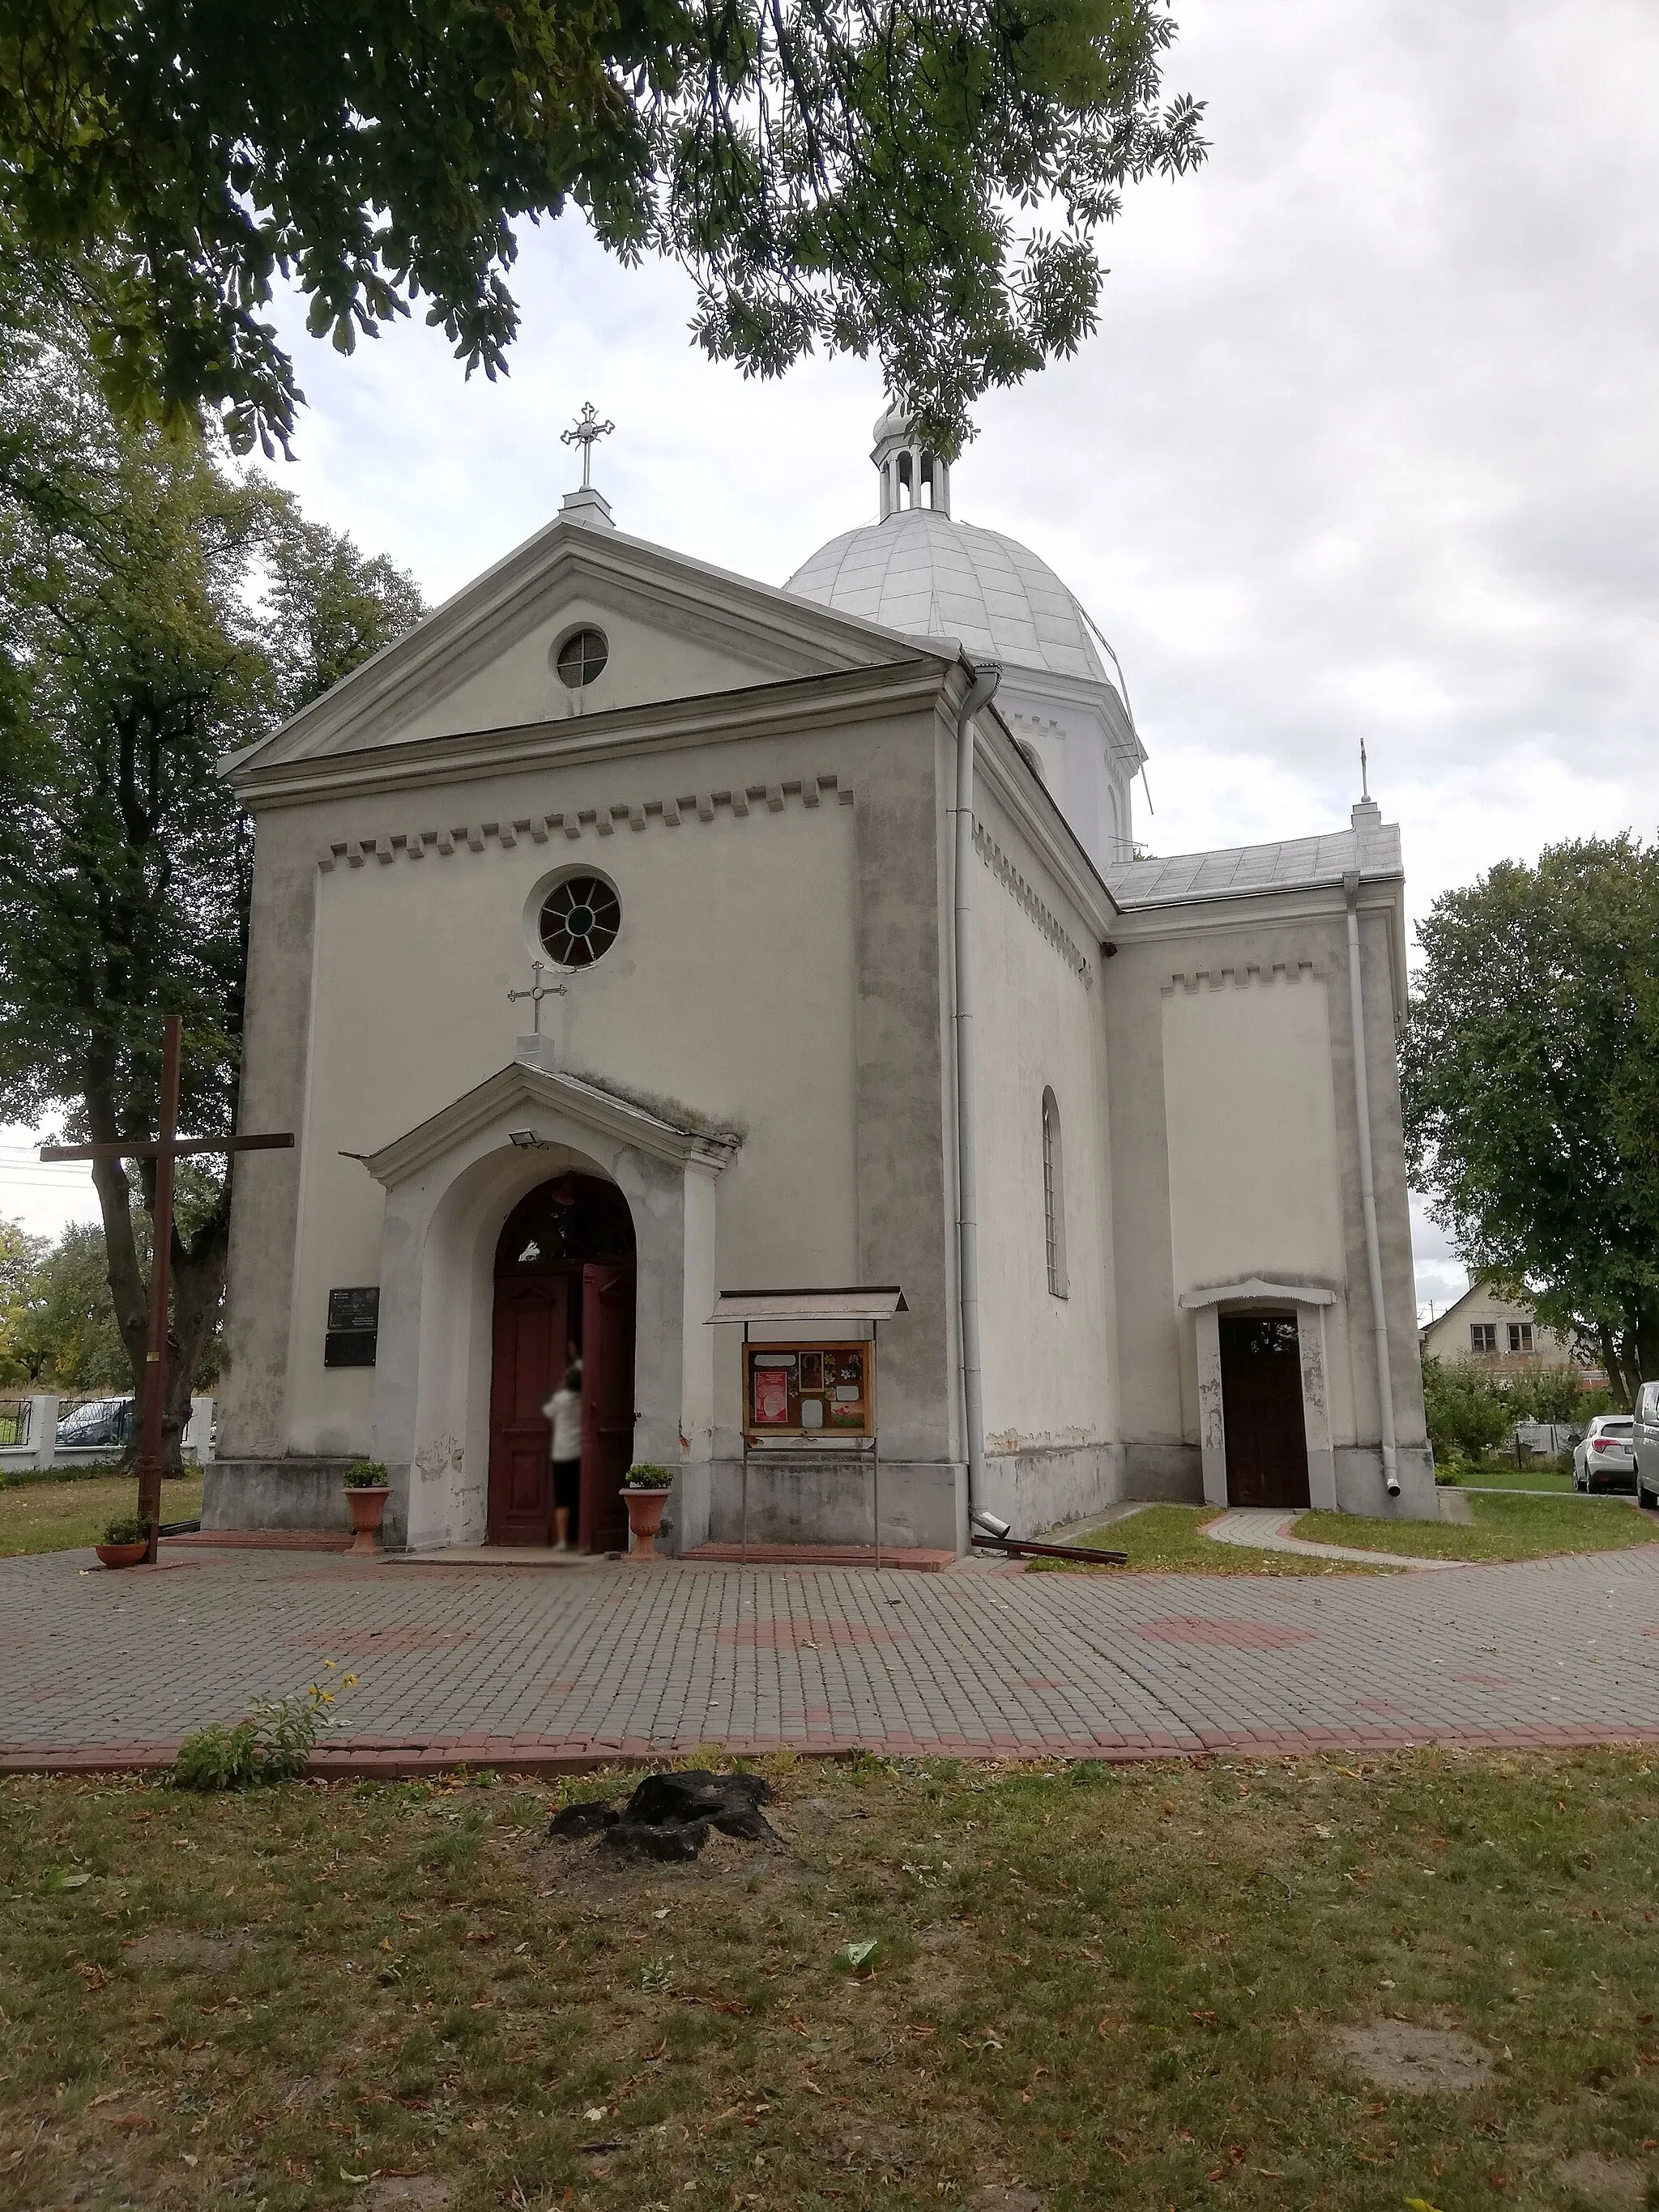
198,1275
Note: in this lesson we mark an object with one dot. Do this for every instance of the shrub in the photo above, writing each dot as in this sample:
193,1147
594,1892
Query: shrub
645,1474
274,1743
367,1474
1545,1393
1466,1415
126,1528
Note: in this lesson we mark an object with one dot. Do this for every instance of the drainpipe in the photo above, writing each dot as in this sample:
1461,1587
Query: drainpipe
1362,1103
980,694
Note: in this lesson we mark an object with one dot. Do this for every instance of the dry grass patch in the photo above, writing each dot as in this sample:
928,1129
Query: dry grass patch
1132,1987
63,1517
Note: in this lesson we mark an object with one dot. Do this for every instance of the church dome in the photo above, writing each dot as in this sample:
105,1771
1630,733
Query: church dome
919,571
922,572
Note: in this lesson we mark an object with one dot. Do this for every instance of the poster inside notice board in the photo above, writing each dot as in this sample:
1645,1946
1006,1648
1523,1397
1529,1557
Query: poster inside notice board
809,1389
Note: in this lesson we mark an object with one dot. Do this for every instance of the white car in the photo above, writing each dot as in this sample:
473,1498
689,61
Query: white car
1606,1459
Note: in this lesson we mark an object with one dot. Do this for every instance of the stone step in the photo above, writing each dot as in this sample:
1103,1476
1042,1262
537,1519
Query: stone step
919,1561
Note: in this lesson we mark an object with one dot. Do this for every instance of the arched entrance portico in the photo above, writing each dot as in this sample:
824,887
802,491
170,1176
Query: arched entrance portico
564,1283
451,1184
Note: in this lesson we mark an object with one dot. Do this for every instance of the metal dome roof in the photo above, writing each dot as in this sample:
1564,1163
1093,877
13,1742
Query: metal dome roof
921,572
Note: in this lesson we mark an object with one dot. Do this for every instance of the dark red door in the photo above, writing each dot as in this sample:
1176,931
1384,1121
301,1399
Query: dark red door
1262,1410
530,1350
607,1401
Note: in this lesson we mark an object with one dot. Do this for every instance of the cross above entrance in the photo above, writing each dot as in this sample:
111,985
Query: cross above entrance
164,1148
537,992
584,432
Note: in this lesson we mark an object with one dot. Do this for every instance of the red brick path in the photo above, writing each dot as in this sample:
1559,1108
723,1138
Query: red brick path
513,1668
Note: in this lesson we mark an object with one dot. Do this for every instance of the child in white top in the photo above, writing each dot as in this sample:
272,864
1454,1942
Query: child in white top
564,1410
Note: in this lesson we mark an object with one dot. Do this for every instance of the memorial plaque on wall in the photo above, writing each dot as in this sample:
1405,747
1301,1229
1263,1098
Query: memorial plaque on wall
354,1321
809,1389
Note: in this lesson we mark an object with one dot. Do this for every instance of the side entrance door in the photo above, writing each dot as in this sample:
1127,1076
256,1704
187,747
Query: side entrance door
607,1402
1262,1410
529,1362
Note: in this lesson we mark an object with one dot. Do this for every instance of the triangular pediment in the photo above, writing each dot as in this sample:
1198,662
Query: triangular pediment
568,1105
675,629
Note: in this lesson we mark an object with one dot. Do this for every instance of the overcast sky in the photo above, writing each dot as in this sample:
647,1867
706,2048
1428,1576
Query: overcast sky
1365,446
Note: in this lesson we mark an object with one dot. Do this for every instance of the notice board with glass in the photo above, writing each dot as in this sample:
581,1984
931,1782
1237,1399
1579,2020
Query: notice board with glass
809,1389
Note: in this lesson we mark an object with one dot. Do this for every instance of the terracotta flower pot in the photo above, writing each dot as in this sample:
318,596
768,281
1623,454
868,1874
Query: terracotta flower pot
367,1508
645,1508
122,1555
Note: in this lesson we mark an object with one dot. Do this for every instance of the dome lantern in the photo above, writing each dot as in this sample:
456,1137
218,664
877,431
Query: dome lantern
911,477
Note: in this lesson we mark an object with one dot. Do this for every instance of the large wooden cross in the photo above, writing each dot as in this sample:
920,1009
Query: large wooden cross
164,1148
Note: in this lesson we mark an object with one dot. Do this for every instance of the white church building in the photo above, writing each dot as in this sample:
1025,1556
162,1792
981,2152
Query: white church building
862,984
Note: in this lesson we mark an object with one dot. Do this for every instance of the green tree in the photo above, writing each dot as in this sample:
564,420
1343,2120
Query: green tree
155,613
1555,1394
1467,1416
72,1320
20,1255
1529,1072
923,182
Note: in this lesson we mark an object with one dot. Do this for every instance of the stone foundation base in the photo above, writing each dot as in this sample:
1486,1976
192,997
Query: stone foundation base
801,1500
1359,1486
275,1493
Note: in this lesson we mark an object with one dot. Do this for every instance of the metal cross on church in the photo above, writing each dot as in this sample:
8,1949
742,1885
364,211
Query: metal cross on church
536,993
584,432
164,1148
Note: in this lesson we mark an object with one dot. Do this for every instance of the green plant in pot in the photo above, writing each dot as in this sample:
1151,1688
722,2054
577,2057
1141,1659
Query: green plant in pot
367,1487
645,1489
125,1539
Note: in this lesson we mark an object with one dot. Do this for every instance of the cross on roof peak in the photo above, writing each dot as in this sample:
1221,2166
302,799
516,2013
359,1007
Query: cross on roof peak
584,432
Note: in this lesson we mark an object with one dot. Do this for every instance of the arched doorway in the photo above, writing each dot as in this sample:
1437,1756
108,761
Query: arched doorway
564,1286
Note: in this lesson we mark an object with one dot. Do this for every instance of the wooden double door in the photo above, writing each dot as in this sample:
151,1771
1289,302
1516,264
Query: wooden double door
541,1320
1262,1410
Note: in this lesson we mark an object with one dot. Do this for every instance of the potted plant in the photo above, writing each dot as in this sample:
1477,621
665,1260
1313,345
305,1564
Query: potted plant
367,1490
126,1540
645,1493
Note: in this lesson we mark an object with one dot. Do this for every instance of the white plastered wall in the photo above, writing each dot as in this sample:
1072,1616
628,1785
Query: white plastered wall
1082,762
729,994
1251,1130
648,661
1050,1385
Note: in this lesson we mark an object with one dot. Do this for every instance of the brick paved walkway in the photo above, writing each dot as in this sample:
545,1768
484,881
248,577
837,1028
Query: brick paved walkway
1267,1528
492,1666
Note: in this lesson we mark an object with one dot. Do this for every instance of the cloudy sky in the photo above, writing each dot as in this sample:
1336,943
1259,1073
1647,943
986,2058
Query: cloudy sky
1365,445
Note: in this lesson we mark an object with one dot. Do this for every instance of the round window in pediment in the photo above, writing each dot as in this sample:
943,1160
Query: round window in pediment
579,919
581,659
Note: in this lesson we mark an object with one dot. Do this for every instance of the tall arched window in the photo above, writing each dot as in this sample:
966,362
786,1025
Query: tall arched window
1054,1196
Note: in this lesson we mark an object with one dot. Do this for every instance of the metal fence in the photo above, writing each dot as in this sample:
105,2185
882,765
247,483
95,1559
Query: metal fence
31,1431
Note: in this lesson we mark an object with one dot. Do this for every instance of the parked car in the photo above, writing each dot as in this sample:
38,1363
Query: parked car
1645,1440
1606,1458
100,1421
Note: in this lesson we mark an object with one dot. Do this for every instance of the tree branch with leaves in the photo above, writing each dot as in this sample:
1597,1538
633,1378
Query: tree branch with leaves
924,180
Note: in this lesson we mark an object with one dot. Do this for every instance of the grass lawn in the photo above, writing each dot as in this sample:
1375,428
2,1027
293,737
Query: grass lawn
60,1517
1501,1528
1503,1474
1113,1987
1168,1539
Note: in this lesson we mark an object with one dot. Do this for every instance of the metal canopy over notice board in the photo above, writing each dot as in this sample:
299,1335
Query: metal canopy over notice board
817,1392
